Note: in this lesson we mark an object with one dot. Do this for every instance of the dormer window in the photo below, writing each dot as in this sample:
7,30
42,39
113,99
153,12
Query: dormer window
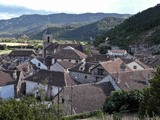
134,67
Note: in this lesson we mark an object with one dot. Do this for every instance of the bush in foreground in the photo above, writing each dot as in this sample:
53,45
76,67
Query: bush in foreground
123,101
27,109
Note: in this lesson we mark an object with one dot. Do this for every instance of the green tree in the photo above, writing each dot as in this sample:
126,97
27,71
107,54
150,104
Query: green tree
104,49
151,103
88,51
123,101
28,108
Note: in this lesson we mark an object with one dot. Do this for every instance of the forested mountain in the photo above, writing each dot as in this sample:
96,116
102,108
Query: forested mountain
82,33
92,30
56,31
36,23
144,27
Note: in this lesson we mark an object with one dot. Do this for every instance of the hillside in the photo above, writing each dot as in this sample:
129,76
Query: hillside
144,27
25,23
56,31
85,32
94,29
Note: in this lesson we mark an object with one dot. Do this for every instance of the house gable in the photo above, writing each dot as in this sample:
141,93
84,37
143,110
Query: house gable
38,64
57,67
85,97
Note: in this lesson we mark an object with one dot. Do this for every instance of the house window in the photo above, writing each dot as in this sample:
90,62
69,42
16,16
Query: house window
134,67
69,60
85,76
62,100
96,79
39,64
100,71
76,61
82,68
48,39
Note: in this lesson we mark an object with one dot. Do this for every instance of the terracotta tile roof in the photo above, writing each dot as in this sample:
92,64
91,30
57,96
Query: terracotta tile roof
78,47
113,66
69,54
53,46
66,64
152,62
22,52
24,69
53,78
142,52
11,73
131,80
141,64
83,67
98,58
127,61
85,97
5,79
5,64
118,51
40,59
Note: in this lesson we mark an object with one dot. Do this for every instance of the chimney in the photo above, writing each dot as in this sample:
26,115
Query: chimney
122,66
118,79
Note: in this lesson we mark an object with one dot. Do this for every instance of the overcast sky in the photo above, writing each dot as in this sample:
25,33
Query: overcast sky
83,6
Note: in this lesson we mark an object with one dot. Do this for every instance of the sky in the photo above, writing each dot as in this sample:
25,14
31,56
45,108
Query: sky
81,6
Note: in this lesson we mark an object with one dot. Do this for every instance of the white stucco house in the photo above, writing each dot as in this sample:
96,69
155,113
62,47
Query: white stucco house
117,52
38,63
137,65
50,82
129,80
134,64
6,86
82,73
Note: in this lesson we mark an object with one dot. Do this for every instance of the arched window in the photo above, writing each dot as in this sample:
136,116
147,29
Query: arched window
48,39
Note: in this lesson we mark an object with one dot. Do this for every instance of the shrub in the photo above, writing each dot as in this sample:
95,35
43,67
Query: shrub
123,101
150,105
27,108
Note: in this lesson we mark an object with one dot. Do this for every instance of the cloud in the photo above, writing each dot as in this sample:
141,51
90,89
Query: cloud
82,6
7,12
7,15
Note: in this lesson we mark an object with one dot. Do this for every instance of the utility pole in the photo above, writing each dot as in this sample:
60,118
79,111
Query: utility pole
71,98
58,102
